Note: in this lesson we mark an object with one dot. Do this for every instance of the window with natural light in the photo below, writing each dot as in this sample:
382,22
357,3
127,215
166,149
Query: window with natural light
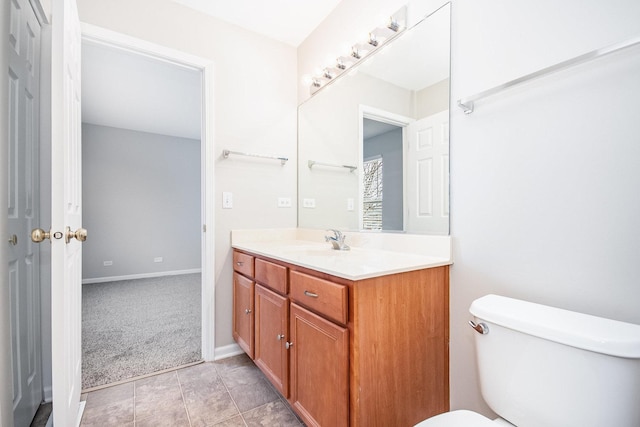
372,194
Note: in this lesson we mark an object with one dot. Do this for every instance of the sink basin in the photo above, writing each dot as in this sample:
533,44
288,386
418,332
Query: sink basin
310,251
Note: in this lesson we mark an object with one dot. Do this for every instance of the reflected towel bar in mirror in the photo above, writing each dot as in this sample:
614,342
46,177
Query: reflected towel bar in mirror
225,154
313,163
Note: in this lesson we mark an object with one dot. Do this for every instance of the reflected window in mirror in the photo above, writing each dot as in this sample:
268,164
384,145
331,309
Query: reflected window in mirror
382,160
372,194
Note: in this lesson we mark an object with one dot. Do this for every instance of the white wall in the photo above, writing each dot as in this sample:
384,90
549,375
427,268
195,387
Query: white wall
141,200
432,99
544,178
254,111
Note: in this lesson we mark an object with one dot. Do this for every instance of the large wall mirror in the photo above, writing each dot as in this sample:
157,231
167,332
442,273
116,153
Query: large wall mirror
373,147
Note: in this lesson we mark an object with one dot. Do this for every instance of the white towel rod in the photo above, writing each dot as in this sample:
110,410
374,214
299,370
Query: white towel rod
225,154
331,165
467,104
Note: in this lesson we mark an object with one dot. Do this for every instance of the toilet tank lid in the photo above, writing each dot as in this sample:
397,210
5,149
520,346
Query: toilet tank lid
579,330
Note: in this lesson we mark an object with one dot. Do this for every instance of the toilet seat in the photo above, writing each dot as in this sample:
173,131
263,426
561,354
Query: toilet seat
459,418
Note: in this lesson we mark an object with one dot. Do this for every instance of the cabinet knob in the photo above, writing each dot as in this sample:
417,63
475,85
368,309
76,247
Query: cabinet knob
311,294
288,345
280,337
239,263
247,311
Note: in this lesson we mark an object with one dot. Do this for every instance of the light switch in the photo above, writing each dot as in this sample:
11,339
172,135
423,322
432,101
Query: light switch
309,203
227,200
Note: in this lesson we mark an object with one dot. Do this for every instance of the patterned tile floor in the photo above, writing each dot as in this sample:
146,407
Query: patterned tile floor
228,393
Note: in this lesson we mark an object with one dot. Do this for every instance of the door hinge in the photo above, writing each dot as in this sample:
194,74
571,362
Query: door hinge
204,228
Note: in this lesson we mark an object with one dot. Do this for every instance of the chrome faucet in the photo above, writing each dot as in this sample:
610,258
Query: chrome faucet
337,240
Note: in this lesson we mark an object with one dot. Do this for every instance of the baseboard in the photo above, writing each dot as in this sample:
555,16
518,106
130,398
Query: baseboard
227,351
140,276
47,394
80,412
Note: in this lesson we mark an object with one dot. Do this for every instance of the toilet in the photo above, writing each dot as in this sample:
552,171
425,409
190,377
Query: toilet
541,366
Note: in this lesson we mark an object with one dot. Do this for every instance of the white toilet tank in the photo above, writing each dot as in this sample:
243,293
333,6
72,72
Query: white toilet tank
541,366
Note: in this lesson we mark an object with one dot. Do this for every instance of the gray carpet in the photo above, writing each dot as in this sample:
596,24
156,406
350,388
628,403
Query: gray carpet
136,327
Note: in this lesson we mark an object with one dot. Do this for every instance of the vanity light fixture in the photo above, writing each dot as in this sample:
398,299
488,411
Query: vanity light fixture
393,25
377,38
327,74
373,40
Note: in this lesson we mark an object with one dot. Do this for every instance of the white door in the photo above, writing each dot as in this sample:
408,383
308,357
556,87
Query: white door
23,213
66,214
427,185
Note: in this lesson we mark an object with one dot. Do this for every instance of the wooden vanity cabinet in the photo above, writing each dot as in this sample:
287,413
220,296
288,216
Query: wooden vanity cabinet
319,374
243,309
271,334
399,348
243,313
365,353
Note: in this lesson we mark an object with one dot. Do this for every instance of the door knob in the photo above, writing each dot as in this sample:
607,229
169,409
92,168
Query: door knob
39,235
13,239
80,234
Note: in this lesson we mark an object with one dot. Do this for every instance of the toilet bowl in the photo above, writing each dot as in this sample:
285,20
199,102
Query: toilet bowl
462,418
548,367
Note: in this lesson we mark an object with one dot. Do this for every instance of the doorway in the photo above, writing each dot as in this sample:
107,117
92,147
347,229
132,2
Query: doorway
424,194
161,262
382,157
383,172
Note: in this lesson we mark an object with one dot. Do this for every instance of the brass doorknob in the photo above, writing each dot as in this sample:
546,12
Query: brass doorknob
39,235
80,234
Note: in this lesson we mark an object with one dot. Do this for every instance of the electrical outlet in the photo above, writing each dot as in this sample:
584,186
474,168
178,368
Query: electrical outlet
350,204
107,263
309,203
284,202
227,200
158,259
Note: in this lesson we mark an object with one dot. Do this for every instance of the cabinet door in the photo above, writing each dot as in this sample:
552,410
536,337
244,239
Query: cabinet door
243,312
319,369
272,314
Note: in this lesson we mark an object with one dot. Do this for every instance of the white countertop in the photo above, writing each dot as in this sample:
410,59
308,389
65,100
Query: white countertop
355,264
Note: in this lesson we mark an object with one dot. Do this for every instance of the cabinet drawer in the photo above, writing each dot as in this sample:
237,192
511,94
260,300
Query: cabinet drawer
271,275
243,263
325,297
